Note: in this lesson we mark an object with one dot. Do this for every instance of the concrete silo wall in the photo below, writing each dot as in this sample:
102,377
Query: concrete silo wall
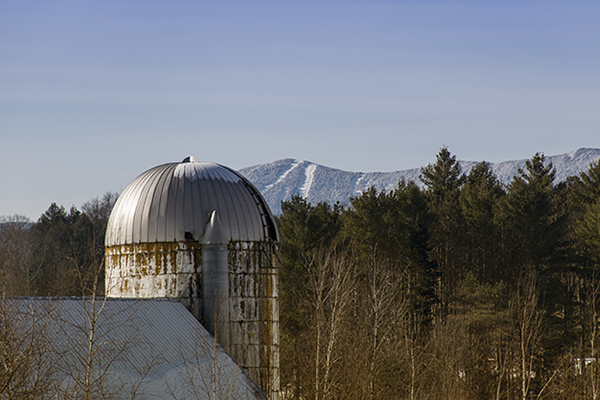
151,270
254,312
232,289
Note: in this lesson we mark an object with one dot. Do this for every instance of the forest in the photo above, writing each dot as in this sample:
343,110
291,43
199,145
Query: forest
463,288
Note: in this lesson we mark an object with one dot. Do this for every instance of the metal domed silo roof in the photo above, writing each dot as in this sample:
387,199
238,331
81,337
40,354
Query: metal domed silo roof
175,201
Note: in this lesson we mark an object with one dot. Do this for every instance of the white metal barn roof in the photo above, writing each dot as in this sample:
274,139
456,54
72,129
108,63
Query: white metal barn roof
173,202
144,349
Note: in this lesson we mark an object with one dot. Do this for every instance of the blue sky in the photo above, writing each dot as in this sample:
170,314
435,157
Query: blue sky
92,93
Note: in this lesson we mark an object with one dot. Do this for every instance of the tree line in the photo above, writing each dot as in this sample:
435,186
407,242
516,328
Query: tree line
61,254
464,288
461,288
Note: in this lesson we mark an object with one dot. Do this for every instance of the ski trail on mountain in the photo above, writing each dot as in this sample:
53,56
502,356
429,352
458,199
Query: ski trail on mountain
309,174
357,189
282,176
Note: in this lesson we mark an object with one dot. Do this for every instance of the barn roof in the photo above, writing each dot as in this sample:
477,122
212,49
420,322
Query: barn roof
137,348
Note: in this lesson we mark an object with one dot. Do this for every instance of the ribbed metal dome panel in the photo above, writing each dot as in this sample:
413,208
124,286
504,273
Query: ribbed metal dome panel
165,202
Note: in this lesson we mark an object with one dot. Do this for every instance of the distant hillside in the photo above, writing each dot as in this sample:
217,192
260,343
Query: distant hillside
281,179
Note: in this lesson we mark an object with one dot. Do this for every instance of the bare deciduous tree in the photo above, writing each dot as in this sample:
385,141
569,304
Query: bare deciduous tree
385,308
329,290
15,274
529,329
26,353
99,339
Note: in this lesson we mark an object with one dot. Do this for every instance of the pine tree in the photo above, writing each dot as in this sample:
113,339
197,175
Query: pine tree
479,199
68,249
50,240
443,181
589,189
423,274
537,252
304,229
532,230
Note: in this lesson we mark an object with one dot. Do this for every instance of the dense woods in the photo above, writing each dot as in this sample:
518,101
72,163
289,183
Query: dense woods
62,254
464,288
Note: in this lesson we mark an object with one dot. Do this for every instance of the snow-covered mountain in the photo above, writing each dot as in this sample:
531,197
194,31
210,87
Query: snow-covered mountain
281,179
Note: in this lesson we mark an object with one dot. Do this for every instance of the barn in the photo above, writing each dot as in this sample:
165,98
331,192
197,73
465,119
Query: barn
191,308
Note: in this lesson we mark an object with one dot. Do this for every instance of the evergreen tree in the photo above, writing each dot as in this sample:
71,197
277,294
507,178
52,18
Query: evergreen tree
397,283
589,188
51,239
536,248
304,229
443,181
533,231
479,199
588,233
423,273
372,225
68,249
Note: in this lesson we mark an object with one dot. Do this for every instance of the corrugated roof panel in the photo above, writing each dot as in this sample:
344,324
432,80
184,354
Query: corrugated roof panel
210,193
253,220
188,205
129,206
144,208
164,199
189,208
238,211
136,207
179,216
155,345
248,211
205,210
230,219
120,208
154,210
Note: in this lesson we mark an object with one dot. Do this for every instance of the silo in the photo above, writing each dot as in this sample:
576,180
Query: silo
200,232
